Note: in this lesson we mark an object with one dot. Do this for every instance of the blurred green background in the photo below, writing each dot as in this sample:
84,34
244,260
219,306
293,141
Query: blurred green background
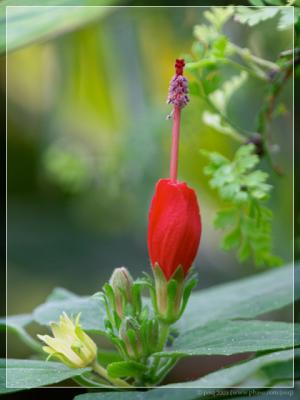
88,138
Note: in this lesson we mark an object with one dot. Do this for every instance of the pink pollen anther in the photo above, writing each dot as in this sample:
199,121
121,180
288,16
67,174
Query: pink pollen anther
178,96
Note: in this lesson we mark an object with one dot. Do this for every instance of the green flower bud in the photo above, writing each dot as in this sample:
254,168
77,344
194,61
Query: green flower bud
130,334
121,283
70,343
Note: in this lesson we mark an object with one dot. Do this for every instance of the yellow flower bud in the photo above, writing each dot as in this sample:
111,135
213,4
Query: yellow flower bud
70,343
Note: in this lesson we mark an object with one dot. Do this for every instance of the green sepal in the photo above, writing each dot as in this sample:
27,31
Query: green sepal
170,297
189,286
136,298
126,369
133,340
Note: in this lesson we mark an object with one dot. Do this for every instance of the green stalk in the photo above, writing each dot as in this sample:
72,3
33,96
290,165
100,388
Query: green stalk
247,56
164,370
163,334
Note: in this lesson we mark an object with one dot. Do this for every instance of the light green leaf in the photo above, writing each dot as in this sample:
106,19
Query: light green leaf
27,25
226,217
215,121
123,369
253,16
15,322
234,337
231,239
33,373
245,298
286,19
60,294
91,309
233,375
221,97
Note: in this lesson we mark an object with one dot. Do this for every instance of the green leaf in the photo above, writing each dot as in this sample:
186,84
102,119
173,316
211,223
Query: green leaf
59,294
155,394
225,217
286,19
244,190
231,239
15,322
91,309
257,2
33,373
244,298
27,25
219,47
125,369
221,97
253,16
234,337
236,374
194,88
3,388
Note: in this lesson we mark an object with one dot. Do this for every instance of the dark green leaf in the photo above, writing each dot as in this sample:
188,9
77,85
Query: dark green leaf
60,294
234,337
245,298
33,373
91,309
235,374
15,322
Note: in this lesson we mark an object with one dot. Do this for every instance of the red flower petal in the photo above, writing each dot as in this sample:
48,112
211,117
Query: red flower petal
174,227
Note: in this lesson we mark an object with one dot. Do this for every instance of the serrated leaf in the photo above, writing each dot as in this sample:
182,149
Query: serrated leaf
231,239
253,16
235,337
32,373
124,369
219,46
226,217
221,97
286,18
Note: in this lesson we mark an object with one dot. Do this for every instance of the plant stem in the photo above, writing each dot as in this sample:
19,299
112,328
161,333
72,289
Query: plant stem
163,334
175,144
248,56
103,373
161,374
